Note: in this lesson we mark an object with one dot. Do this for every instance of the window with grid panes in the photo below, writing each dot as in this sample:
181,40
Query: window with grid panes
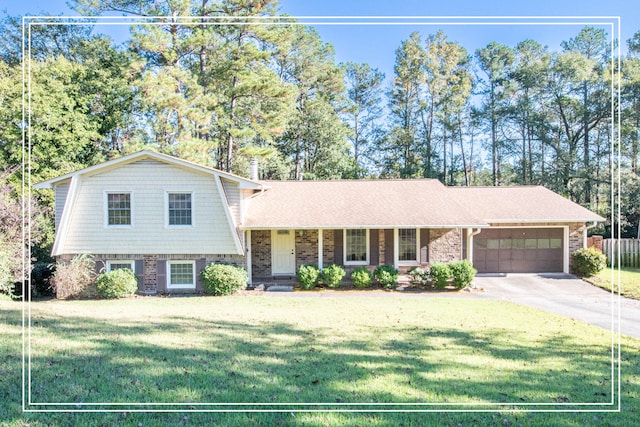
118,209
181,274
179,208
356,246
407,244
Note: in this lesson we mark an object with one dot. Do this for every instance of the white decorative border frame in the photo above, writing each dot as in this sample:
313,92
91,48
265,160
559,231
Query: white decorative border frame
612,22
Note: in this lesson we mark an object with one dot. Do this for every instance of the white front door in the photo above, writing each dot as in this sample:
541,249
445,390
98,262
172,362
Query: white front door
283,252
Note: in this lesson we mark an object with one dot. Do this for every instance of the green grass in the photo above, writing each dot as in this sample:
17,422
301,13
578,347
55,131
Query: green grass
361,349
629,281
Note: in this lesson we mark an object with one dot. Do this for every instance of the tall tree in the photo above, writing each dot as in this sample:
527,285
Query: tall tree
630,98
591,91
531,64
495,61
447,91
404,103
364,112
314,130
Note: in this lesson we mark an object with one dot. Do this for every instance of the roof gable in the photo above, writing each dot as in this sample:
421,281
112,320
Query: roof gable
147,154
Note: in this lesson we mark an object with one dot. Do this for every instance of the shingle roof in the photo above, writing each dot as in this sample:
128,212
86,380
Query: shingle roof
358,204
521,204
405,203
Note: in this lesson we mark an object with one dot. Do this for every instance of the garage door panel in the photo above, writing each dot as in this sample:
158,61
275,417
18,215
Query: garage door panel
519,250
490,266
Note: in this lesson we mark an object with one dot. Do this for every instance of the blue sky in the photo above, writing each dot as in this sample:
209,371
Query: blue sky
376,44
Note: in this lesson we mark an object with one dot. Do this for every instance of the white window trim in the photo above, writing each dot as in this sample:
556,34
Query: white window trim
166,209
397,238
106,208
344,248
121,261
192,285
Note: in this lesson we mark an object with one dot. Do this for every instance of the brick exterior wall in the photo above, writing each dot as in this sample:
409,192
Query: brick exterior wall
307,247
147,268
445,245
576,239
328,242
261,253
150,274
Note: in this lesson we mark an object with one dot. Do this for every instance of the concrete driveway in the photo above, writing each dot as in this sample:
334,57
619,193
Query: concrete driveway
565,295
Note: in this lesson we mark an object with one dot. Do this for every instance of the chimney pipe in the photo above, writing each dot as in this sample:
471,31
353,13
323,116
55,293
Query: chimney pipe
254,169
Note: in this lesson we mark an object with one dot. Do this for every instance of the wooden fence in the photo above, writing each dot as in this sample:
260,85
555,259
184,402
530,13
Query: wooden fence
629,252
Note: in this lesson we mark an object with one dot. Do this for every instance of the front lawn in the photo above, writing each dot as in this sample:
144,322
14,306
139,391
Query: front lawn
332,350
629,281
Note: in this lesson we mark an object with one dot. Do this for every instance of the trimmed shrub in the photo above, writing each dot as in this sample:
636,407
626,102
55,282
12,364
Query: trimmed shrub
308,276
73,279
223,279
361,277
117,283
386,275
462,272
332,276
419,276
440,274
588,262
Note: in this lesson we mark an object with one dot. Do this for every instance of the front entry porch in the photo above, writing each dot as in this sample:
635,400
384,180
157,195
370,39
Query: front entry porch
274,256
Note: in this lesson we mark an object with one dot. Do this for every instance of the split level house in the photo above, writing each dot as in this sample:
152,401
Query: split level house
166,219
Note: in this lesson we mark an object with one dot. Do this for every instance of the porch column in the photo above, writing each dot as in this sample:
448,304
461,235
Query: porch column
248,256
396,249
565,249
320,249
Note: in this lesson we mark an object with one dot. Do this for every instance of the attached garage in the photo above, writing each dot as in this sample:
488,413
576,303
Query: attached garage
519,250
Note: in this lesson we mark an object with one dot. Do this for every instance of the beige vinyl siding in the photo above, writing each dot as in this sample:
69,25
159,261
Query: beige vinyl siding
232,190
149,182
61,192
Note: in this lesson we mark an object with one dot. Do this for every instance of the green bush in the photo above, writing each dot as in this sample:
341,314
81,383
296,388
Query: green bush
419,276
117,283
332,276
462,272
386,275
223,279
308,276
361,277
588,262
440,274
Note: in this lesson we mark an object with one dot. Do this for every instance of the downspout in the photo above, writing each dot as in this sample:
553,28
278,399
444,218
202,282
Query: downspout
470,233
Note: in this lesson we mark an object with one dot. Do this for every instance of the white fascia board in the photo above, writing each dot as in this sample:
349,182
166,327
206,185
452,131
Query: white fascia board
227,212
61,232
